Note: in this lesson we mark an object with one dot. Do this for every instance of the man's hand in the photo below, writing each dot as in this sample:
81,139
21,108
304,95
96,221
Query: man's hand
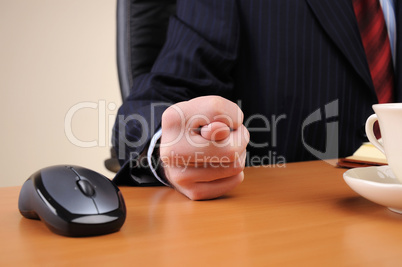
203,146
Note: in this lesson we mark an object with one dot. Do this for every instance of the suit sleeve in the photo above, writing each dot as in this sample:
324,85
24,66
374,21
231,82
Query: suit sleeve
197,59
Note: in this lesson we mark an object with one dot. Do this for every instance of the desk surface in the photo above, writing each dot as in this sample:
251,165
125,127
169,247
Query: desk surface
303,213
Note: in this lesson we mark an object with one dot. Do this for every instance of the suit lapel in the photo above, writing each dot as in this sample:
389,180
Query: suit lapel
339,21
398,72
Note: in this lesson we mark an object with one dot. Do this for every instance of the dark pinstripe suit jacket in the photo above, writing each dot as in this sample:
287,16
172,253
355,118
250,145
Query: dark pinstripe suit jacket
299,64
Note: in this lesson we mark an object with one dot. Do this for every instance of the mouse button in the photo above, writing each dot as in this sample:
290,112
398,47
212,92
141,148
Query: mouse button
86,188
61,172
106,197
60,184
84,172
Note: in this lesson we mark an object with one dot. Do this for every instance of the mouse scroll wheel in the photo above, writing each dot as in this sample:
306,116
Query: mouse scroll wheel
86,188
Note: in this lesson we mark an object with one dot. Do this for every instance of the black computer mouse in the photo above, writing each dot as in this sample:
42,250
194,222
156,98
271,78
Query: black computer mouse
73,201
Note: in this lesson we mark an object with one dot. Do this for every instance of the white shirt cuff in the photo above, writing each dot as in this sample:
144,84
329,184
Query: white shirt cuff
151,148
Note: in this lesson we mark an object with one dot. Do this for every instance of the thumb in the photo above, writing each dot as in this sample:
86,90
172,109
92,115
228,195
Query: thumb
215,131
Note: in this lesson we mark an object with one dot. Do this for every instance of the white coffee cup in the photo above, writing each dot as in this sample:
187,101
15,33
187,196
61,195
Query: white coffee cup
389,117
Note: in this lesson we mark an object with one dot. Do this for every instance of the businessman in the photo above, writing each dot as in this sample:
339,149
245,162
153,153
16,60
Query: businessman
294,79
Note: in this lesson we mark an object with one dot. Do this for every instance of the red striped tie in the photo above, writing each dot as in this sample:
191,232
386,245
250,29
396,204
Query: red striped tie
373,31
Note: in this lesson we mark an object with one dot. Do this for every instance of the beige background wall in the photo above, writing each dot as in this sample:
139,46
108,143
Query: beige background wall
56,56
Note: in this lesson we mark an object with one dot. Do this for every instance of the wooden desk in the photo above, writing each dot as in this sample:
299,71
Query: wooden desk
303,214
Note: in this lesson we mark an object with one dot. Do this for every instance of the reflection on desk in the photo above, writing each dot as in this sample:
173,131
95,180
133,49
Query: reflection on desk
303,213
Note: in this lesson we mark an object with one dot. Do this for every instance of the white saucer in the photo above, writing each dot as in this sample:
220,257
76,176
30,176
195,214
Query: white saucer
377,184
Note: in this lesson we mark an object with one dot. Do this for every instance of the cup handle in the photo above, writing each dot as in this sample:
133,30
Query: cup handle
370,132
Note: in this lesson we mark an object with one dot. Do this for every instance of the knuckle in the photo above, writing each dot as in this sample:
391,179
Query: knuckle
171,117
197,193
216,102
236,168
197,196
247,134
233,153
180,179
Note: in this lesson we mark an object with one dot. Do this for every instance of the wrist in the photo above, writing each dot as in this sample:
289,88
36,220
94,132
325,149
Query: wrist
154,161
